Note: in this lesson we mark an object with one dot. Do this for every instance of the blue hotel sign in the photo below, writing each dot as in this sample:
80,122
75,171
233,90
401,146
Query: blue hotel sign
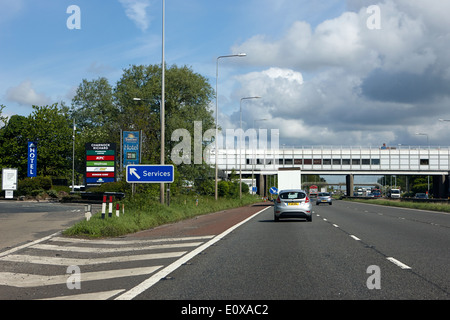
32,160
131,143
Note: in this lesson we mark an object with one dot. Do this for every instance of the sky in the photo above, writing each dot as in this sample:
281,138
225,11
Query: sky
329,73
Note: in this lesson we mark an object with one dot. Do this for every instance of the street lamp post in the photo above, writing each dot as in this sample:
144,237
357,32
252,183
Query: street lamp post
73,156
163,95
217,116
240,146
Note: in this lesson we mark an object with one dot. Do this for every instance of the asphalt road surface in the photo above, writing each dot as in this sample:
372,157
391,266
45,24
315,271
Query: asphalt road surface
349,251
24,221
334,257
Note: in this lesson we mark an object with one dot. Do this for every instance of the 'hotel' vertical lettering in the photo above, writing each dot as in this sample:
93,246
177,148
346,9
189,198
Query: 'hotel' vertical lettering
32,159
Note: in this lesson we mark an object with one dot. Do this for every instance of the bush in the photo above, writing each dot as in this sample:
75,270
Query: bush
30,186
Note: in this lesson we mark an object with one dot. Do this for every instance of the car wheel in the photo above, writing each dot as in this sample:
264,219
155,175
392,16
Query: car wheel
309,219
275,218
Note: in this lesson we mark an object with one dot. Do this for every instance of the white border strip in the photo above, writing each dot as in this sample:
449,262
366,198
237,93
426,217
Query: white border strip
2,254
134,292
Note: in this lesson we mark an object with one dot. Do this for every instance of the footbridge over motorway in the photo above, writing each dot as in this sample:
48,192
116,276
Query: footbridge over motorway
348,161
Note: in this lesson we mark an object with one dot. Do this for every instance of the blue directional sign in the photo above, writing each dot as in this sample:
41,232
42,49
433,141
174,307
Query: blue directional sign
273,190
150,174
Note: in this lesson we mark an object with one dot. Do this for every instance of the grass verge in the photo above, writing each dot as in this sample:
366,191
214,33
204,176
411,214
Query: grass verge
142,213
441,207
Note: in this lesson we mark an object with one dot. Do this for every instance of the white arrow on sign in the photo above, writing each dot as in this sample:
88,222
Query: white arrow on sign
133,171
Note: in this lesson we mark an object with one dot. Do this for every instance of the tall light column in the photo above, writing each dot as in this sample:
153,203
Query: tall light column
240,146
163,96
217,116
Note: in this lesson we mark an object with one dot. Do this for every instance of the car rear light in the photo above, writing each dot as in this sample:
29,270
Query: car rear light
307,199
278,200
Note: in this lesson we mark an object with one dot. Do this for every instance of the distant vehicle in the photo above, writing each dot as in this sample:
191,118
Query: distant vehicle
293,203
394,193
370,195
324,197
376,193
313,191
421,196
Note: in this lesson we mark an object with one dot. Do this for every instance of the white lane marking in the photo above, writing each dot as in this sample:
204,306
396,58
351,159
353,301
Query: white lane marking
57,261
355,237
125,242
134,292
335,225
398,263
105,295
325,219
28,244
21,280
52,247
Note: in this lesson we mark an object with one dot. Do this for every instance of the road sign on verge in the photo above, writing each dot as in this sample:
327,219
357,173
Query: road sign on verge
273,190
150,174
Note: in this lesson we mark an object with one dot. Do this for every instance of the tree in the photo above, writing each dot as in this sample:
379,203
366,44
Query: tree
13,144
188,96
3,119
52,130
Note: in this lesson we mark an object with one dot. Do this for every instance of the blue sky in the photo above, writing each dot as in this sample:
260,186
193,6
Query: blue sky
326,78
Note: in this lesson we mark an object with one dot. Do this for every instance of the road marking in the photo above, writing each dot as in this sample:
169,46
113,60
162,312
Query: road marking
335,225
125,242
21,280
105,295
355,237
325,219
28,244
134,292
398,263
57,261
52,247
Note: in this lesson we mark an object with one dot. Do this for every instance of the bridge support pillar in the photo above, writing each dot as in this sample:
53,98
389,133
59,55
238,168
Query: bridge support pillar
349,179
261,185
440,186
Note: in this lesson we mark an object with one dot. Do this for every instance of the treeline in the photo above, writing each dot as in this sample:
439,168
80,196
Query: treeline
100,111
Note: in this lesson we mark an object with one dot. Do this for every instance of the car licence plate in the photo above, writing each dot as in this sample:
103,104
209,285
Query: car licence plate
293,203
324,200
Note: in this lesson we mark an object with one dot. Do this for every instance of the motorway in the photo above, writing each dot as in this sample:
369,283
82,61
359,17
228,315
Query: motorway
350,251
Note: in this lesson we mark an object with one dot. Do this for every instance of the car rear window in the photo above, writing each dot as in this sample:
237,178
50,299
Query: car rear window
292,195
324,194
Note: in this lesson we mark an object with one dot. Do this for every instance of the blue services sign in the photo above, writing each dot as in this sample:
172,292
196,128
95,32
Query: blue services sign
150,174
32,160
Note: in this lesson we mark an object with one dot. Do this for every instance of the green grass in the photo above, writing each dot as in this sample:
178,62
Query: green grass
441,207
142,214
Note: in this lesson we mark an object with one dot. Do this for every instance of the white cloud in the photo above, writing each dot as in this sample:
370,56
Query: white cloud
136,10
359,86
25,94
